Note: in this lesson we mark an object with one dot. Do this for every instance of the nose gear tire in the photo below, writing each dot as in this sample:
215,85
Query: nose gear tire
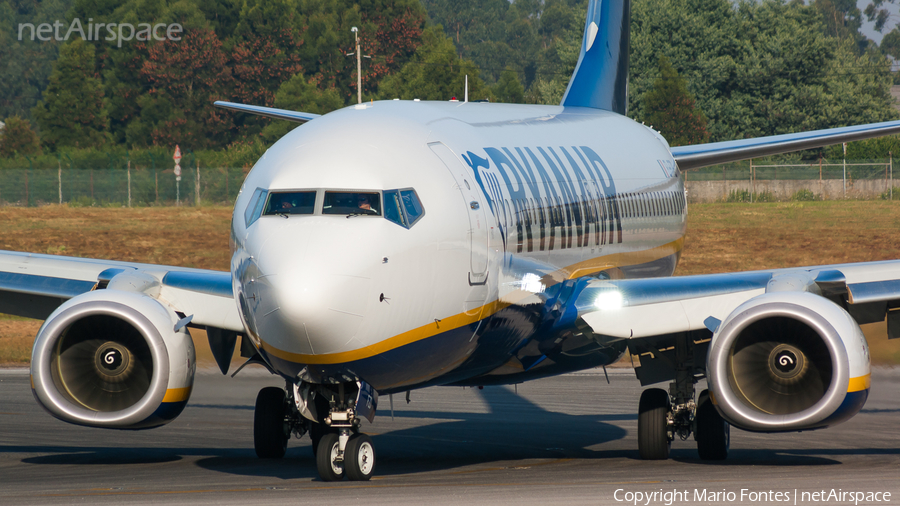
359,458
328,462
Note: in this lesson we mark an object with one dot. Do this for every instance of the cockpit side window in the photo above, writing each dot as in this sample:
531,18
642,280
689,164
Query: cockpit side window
412,206
352,203
392,208
291,203
254,208
403,207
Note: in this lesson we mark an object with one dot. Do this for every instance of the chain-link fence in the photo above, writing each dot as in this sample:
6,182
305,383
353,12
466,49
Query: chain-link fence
127,187
747,170
747,181
143,186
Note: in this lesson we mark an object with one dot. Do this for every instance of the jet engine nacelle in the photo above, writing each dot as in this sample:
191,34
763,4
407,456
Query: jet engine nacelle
113,359
788,361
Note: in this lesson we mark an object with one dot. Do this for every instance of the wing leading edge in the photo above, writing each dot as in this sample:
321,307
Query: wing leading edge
703,155
33,286
639,308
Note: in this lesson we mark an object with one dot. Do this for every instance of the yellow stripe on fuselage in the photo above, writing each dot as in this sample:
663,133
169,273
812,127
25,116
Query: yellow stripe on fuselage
584,268
177,394
859,383
617,260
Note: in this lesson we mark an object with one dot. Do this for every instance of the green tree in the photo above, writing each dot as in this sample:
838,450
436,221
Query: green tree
762,68
435,73
242,51
25,65
186,77
18,138
841,18
72,112
553,75
496,34
890,44
672,110
301,94
508,88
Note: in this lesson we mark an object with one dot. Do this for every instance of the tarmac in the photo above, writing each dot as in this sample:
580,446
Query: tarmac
564,440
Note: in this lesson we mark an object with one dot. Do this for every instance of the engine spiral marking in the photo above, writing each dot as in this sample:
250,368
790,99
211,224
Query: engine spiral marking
112,359
787,362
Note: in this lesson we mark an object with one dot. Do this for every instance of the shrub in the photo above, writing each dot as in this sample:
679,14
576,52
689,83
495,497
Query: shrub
887,195
746,196
804,195
18,138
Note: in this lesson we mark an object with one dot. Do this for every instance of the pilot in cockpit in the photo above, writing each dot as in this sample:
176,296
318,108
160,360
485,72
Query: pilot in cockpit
365,204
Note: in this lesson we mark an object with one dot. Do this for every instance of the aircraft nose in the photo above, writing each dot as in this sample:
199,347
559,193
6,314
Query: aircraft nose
313,292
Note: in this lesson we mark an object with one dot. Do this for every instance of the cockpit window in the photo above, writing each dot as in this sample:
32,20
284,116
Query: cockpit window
411,205
291,203
352,203
254,208
392,208
403,207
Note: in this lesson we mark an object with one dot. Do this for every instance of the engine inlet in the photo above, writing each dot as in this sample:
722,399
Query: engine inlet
780,366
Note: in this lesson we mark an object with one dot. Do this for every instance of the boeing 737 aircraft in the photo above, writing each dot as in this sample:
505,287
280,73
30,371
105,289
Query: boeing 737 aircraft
464,243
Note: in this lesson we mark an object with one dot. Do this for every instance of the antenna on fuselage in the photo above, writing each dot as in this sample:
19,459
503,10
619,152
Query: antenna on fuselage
466,97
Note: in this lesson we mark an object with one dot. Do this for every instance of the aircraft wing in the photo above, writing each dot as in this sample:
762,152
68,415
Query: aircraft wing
33,286
703,155
648,313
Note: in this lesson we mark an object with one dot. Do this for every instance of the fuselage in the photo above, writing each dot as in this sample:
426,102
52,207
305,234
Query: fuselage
474,220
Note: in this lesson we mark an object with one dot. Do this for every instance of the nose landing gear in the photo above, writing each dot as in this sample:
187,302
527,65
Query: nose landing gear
348,451
339,447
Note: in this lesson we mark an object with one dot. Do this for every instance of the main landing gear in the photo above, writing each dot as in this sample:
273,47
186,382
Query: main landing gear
664,415
340,449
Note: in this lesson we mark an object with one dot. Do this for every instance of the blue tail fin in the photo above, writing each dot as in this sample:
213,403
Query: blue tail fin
601,76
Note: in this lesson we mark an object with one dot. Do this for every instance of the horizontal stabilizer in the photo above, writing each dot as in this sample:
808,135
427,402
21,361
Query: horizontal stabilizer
269,112
703,155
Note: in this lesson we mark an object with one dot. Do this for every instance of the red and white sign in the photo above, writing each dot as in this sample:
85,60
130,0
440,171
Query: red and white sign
177,155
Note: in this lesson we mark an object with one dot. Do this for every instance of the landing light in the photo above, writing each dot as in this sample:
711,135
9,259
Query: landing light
532,283
609,300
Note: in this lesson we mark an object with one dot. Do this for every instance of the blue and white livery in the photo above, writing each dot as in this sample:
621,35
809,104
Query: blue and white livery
396,245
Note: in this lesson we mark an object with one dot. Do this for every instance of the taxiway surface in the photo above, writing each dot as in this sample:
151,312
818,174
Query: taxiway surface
564,440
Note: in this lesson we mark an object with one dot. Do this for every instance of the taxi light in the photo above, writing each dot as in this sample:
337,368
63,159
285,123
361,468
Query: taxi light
608,301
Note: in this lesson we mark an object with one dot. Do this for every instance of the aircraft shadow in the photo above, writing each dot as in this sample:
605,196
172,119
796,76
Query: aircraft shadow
513,430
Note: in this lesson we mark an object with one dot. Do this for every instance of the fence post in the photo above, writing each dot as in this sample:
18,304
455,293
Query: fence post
724,184
129,182
845,170
197,186
59,175
27,193
751,180
891,162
